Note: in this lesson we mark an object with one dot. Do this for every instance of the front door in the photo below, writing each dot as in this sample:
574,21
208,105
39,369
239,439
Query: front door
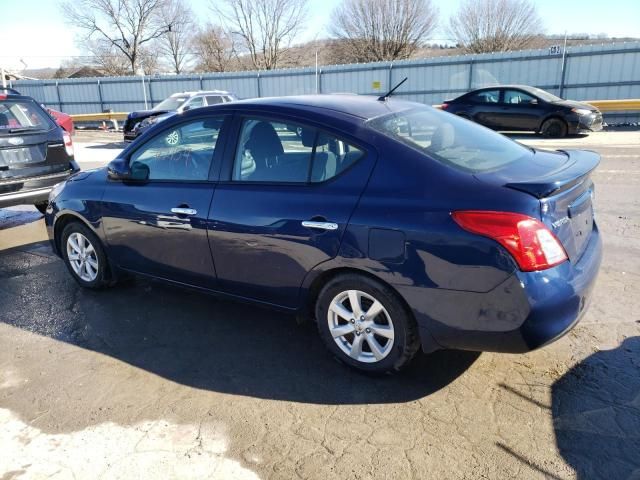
289,192
158,225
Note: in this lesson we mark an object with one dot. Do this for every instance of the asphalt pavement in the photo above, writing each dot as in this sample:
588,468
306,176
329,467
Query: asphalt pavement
150,381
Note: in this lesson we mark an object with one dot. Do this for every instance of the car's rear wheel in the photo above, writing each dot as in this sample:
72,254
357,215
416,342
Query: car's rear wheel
84,256
365,325
42,207
553,128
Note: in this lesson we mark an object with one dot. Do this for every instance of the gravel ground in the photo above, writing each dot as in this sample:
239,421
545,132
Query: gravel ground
149,381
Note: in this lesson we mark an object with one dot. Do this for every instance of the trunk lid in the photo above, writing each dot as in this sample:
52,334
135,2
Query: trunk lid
33,154
562,182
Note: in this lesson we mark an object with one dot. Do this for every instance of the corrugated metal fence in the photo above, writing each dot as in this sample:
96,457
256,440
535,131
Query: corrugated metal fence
593,72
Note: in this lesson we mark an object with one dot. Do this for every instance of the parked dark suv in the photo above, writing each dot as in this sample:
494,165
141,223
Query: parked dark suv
35,152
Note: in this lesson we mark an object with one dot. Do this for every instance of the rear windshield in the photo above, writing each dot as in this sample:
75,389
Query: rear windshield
22,116
450,139
171,103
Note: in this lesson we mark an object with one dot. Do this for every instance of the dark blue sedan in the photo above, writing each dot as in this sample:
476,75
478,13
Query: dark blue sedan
394,225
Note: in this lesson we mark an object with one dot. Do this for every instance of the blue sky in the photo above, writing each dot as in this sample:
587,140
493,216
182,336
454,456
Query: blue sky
34,30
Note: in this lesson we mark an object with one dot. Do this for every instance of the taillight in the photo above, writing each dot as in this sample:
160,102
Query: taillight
68,144
444,106
3,96
528,240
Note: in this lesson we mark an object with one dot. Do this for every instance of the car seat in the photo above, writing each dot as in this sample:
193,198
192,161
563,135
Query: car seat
265,146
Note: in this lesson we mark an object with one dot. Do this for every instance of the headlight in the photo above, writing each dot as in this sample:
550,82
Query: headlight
581,111
148,121
55,191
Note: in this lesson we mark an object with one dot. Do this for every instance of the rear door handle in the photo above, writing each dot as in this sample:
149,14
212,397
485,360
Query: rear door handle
320,225
184,211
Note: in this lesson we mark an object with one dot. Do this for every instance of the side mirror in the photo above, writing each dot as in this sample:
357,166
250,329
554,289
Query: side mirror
118,169
186,107
139,171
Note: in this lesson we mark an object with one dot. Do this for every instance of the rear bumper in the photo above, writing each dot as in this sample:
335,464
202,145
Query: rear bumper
544,305
30,190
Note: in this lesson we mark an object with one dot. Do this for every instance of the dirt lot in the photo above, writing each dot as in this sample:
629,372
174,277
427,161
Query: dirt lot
147,381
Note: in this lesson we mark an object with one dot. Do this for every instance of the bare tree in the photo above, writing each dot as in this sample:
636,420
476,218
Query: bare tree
482,26
265,28
374,30
214,48
175,44
125,26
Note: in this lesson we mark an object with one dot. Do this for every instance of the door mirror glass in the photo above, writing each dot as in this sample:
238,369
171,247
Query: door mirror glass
139,171
186,107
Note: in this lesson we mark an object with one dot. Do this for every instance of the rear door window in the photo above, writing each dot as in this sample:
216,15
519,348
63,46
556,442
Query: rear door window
214,99
517,97
487,96
272,151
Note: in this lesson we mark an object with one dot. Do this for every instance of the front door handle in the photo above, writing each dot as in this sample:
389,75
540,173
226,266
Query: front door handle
320,225
184,211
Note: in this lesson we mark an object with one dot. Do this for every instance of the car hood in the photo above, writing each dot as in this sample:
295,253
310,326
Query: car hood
574,104
146,113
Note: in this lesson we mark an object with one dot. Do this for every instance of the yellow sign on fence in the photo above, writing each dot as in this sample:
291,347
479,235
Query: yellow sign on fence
376,84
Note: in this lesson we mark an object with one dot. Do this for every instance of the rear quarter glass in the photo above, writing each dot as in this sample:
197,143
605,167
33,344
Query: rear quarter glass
451,140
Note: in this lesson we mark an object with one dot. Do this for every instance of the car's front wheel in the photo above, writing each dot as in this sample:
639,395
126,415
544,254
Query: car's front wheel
84,256
365,325
553,128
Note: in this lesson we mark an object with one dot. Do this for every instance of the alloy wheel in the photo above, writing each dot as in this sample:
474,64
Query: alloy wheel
82,257
361,326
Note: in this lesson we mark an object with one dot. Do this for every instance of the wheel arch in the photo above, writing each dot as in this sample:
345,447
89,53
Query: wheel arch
322,278
65,218
552,116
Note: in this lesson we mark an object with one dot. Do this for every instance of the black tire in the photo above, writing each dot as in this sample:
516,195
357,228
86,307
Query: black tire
553,128
405,343
42,207
103,276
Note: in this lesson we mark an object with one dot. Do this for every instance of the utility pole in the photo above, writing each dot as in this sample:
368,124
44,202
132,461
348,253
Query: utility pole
4,80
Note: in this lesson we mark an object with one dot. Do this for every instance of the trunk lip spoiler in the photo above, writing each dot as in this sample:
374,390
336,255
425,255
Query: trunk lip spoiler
540,188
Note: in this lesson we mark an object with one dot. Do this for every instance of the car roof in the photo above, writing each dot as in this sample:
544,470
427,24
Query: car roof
361,106
202,92
527,88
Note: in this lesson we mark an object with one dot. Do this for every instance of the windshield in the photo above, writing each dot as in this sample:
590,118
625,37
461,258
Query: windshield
22,116
171,103
450,139
544,95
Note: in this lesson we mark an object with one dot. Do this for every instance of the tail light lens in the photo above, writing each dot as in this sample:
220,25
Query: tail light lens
529,241
68,144
444,106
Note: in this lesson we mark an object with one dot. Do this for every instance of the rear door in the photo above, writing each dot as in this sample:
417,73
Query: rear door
484,107
288,192
31,144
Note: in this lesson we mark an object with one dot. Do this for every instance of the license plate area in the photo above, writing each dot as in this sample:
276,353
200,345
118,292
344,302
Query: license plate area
581,216
22,155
